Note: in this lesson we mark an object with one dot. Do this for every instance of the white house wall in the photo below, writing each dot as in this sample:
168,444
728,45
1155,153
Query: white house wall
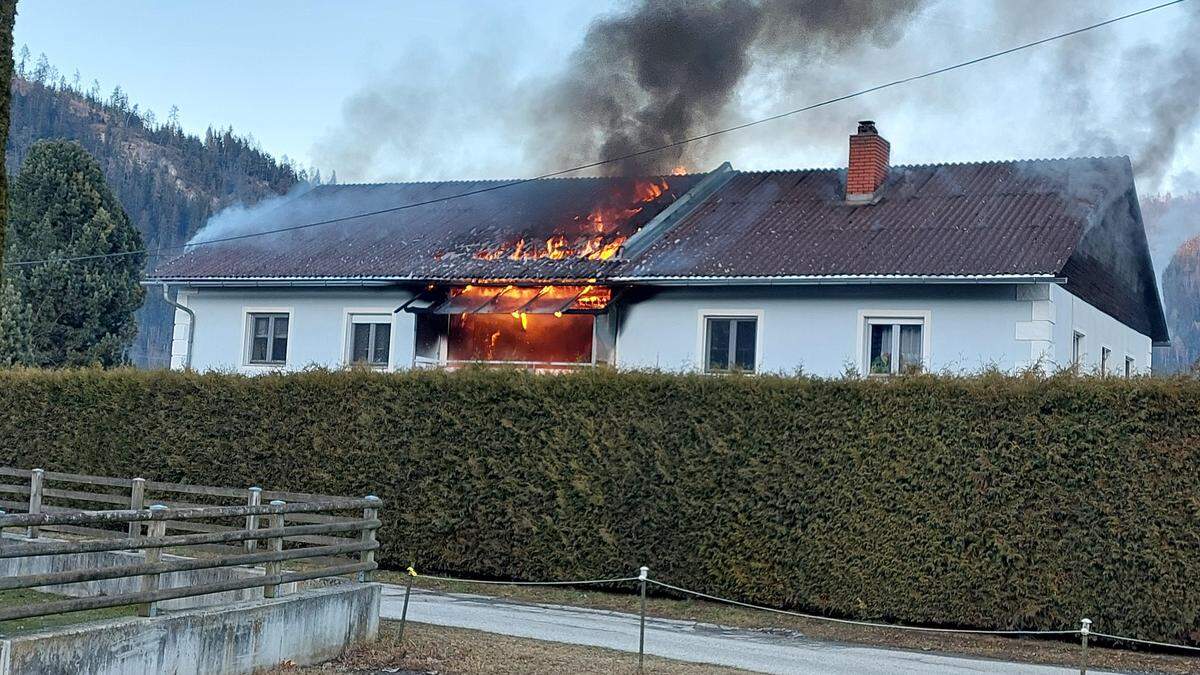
318,326
817,328
1099,330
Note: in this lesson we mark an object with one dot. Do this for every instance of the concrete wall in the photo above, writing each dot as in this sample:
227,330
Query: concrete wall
318,327
819,328
309,627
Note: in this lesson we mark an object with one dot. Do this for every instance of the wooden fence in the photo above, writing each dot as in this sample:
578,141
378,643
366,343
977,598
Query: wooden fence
329,536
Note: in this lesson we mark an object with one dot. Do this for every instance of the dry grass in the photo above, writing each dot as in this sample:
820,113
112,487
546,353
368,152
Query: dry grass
436,649
1024,650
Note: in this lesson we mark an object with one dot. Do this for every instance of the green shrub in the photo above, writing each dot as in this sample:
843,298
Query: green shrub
990,502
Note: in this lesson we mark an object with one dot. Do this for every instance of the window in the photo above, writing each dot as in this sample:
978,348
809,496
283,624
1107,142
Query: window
1077,349
895,345
1105,356
370,340
268,339
1129,366
730,344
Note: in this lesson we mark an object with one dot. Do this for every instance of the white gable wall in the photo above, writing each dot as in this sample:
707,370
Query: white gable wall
1099,330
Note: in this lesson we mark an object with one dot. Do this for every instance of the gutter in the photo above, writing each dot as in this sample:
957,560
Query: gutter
848,279
187,358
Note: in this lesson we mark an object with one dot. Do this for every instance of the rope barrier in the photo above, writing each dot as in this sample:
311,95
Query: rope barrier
1145,642
869,624
1083,632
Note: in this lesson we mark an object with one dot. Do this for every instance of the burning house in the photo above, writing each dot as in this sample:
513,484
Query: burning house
888,268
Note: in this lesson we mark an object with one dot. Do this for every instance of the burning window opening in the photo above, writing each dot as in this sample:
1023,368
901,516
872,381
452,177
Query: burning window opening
517,300
594,237
549,326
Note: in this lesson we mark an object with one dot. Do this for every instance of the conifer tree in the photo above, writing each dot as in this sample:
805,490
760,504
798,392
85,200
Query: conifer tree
80,312
8,15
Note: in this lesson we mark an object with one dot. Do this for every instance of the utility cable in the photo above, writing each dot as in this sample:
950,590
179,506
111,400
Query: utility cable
631,155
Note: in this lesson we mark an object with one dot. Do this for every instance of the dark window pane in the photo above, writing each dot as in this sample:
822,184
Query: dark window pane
258,349
718,344
279,349
383,335
743,355
881,349
262,326
362,342
910,349
281,327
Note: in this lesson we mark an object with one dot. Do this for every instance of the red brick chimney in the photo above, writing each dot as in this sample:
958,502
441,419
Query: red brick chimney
868,163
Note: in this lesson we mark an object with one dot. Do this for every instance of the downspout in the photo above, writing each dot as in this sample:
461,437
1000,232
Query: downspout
187,358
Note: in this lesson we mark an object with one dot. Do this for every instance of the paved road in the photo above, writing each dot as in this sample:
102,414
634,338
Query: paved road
760,651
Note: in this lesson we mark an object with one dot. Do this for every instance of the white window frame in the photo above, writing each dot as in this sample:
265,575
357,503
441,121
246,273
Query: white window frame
248,336
1105,357
1078,348
385,314
1130,366
704,315
910,317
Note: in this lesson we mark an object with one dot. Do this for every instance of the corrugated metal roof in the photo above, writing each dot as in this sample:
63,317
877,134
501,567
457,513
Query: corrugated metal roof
950,219
434,241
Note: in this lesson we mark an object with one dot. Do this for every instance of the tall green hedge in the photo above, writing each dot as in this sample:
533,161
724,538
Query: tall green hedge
988,502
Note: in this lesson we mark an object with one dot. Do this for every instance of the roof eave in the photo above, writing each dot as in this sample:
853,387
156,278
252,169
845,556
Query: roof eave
841,279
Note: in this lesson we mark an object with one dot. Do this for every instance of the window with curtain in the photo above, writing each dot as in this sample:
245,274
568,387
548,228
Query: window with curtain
895,345
268,339
730,344
370,339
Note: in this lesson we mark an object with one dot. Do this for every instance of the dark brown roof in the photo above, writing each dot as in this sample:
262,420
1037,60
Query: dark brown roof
952,219
434,241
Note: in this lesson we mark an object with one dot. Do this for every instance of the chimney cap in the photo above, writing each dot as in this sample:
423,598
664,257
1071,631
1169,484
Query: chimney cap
867,127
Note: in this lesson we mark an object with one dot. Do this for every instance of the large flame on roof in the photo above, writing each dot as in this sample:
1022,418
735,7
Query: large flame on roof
592,239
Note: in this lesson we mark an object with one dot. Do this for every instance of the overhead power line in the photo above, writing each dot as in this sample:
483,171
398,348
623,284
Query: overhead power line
619,158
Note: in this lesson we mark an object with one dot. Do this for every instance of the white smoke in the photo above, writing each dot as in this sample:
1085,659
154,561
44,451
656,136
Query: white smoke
241,219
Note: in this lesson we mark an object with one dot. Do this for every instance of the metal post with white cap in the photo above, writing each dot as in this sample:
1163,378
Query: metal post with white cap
643,575
1085,629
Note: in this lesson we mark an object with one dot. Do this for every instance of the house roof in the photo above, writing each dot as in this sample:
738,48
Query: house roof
1072,218
438,239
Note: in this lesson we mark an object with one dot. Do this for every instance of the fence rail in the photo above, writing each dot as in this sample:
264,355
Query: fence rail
329,536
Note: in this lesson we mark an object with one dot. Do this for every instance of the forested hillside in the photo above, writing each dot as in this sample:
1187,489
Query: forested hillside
169,182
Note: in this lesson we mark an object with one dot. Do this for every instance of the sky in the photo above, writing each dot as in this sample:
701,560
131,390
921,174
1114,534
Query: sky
456,89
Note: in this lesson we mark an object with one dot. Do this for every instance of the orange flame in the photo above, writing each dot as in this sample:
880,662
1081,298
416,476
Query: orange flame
593,243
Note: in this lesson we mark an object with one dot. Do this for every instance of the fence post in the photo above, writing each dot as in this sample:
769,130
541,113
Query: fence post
2,514
154,528
253,498
35,499
643,575
1085,629
368,537
137,502
274,567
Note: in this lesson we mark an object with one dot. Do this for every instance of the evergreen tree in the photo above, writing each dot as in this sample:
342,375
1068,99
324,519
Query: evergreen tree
61,207
8,15
16,336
